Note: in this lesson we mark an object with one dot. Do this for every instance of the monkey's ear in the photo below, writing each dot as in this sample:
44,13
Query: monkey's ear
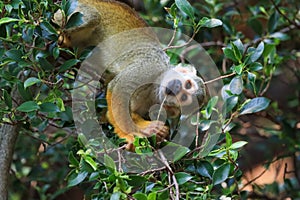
185,69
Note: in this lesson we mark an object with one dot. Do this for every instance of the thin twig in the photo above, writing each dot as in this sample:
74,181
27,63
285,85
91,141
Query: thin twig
173,37
171,173
218,78
197,129
284,16
152,171
267,86
182,45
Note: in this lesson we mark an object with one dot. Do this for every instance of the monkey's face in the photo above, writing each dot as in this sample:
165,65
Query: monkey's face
182,90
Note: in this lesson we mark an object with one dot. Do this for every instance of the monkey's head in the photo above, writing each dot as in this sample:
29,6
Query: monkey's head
182,91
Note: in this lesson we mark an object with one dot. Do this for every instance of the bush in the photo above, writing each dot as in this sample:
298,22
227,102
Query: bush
254,46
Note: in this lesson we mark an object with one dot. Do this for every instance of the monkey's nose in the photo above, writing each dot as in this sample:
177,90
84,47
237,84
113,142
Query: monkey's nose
173,87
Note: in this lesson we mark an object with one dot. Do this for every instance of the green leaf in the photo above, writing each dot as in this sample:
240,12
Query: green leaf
45,64
230,103
7,99
228,52
238,145
256,25
14,54
75,20
205,169
31,81
68,64
182,177
237,54
48,27
91,162
228,139
205,124
82,139
55,52
210,23
172,11
152,196
258,52
210,106
73,160
49,107
238,69
185,7
255,66
273,22
60,104
110,163
238,43
280,36
69,6
25,94
251,77
28,106
236,85
6,20
136,181
139,196
255,105
221,174
269,49
180,152
78,179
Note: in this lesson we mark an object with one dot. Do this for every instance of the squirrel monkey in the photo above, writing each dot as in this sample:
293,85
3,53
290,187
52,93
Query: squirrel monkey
137,72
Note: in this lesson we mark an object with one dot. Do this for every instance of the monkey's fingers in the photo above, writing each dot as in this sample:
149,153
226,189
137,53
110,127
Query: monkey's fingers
157,128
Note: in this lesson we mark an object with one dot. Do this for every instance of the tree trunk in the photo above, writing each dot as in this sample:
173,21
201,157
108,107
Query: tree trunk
8,136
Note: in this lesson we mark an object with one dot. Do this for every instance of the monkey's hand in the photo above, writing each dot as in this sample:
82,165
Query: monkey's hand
145,129
149,128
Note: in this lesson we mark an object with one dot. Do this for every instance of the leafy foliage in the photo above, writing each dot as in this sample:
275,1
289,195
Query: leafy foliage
250,59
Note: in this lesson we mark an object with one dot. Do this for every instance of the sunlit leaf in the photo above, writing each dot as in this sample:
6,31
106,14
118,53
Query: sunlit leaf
258,52
238,145
236,85
255,105
210,23
6,20
31,81
185,7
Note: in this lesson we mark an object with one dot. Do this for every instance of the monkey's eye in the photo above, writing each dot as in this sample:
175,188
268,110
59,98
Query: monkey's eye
184,97
188,84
